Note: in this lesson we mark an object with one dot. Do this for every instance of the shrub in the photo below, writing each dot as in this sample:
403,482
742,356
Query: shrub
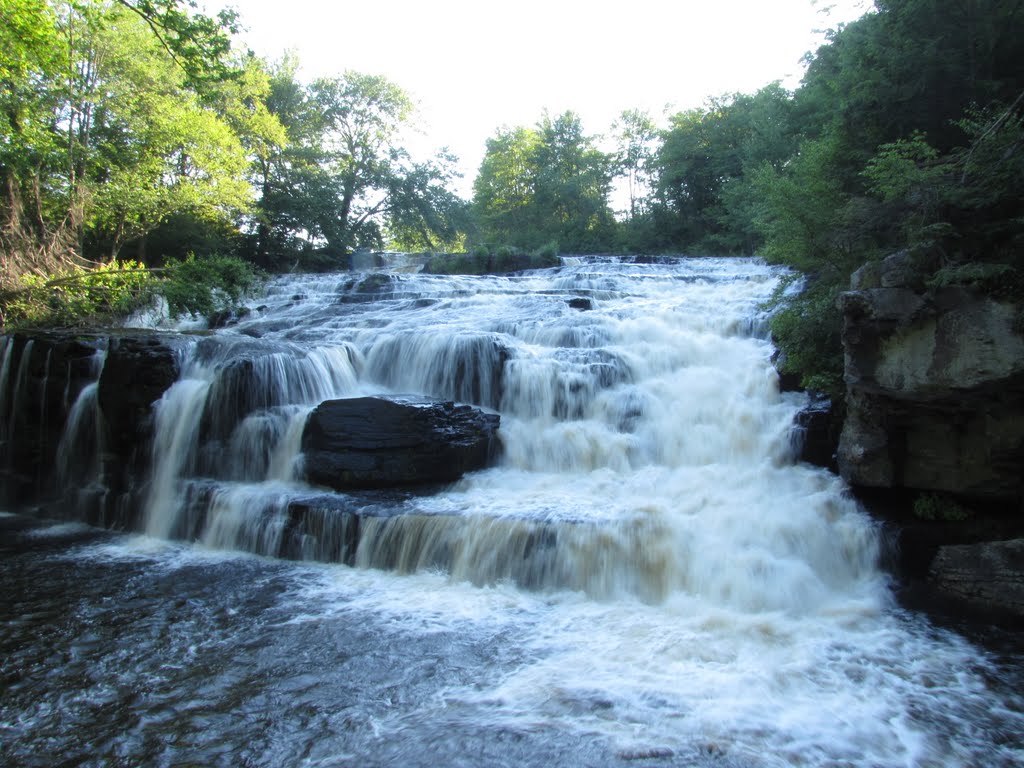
77,295
545,256
201,286
940,508
808,331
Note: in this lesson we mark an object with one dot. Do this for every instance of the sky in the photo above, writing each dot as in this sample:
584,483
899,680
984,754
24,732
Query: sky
474,67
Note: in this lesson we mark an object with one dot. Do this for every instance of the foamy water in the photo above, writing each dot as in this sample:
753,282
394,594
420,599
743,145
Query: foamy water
646,565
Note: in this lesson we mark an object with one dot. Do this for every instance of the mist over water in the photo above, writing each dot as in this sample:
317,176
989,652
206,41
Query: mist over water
646,575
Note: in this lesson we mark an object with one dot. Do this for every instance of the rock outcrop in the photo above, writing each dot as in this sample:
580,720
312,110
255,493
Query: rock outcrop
45,374
378,442
42,375
817,430
136,373
935,390
987,576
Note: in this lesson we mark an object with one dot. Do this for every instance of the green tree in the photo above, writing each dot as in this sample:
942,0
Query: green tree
342,179
504,190
33,237
705,166
635,135
105,132
545,184
146,153
573,186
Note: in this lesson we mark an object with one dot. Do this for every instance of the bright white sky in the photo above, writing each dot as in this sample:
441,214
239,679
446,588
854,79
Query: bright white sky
474,66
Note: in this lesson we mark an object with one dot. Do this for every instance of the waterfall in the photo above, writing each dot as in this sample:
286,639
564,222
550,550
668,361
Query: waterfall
647,450
645,570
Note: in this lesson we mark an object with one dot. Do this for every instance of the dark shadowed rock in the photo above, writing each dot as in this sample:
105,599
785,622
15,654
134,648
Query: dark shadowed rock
581,303
987,576
818,427
138,370
47,371
378,442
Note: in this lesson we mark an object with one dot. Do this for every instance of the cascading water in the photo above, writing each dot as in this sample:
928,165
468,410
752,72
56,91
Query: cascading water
646,564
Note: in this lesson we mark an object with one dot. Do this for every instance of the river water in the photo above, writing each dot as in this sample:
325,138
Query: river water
647,577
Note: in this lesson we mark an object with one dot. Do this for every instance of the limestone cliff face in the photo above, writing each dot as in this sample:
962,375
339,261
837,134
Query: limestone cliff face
935,390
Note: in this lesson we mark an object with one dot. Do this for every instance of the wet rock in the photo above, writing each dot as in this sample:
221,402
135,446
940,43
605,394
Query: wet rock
818,427
372,287
224,317
379,442
581,303
789,381
935,393
138,370
46,372
987,577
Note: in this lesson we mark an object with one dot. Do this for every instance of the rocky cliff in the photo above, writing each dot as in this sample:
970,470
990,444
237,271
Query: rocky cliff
935,390
935,411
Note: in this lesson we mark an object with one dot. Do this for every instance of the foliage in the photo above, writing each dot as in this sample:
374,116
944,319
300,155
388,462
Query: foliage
194,286
941,508
488,261
77,296
341,179
894,156
197,43
107,129
635,135
807,331
545,183
106,292
706,161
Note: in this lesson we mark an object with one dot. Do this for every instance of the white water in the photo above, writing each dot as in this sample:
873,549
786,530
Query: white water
680,584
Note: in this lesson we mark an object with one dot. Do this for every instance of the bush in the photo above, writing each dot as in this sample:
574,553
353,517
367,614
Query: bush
808,332
456,264
202,286
939,508
77,295
545,256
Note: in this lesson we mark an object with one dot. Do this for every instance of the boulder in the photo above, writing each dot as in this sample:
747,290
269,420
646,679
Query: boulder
388,442
935,393
986,577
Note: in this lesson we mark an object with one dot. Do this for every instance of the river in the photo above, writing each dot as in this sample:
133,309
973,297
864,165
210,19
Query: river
646,577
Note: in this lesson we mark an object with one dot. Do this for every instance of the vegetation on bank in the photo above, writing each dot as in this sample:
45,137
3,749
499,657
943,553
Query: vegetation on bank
105,293
136,140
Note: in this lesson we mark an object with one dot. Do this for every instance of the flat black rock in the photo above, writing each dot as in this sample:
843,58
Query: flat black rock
393,442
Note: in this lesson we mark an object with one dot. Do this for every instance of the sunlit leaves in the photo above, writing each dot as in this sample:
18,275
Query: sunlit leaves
543,184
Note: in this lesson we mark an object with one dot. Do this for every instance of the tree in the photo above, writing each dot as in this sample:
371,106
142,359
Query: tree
31,50
544,184
343,179
706,160
635,135
143,154
504,190
573,185
106,132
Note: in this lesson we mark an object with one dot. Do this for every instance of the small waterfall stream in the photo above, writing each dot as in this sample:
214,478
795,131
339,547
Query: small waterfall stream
676,585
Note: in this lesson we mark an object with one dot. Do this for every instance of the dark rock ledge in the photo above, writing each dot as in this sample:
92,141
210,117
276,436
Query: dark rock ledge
391,442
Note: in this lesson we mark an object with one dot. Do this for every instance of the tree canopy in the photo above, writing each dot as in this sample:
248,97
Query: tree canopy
548,183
